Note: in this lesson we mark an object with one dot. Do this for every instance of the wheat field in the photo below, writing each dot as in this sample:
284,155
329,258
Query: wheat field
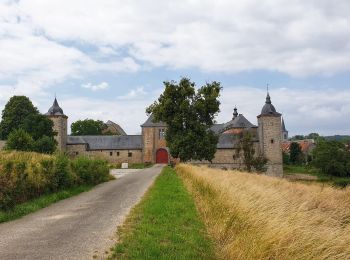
252,216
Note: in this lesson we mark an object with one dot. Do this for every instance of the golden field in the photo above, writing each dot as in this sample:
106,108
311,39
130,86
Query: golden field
252,216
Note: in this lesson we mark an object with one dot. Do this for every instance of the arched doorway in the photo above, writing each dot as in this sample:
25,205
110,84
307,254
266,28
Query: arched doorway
162,156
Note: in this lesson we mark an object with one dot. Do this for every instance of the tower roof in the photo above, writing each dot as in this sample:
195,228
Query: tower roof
235,113
55,109
283,126
151,123
268,109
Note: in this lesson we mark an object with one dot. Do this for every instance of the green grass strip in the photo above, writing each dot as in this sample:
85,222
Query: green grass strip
164,225
40,202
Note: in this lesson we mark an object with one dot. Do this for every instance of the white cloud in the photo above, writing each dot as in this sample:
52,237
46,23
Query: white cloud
295,37
101,86
134,93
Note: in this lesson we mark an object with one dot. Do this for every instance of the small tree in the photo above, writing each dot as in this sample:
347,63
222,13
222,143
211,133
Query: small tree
295,153
250,160
19,140
189,114
87,127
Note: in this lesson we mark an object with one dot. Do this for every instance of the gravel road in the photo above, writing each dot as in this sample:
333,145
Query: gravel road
80,227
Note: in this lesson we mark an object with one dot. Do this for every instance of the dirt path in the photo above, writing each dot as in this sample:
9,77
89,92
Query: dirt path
79,227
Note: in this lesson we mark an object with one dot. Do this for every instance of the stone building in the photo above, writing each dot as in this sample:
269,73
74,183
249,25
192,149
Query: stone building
151,146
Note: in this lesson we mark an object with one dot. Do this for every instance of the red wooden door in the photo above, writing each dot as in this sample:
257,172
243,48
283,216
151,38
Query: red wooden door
162,156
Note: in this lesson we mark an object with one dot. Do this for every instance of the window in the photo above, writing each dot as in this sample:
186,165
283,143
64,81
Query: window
76,153
117,153
129,154
272,141
161,133
110,153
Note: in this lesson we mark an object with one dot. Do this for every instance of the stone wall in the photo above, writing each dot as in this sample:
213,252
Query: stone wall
112,156
60,126
271,144
151,143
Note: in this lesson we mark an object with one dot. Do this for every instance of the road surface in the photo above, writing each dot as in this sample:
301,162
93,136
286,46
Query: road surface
81,227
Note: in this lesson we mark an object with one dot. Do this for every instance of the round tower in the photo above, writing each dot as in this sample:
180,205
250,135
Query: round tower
270,135
59,120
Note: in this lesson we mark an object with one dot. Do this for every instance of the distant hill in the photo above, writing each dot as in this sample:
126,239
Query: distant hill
338,137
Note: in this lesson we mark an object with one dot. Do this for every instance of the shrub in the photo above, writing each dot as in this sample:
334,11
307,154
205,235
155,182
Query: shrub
90,171
45,144
25,175
19,140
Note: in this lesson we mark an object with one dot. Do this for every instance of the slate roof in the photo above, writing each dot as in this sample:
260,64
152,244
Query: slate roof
227,141
237,122
283,126
116,126
149,122
108,142
268,109
55,110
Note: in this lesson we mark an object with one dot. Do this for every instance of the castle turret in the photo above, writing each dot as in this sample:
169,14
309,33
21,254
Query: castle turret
59,119
284,131
270,135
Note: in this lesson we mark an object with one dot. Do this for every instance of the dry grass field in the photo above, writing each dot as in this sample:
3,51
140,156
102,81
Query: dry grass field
252,216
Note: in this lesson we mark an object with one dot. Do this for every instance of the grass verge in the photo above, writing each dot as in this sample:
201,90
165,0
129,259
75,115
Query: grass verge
40,202
335,181
252,216
164,225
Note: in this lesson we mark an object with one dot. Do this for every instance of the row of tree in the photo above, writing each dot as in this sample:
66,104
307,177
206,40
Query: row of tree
25,128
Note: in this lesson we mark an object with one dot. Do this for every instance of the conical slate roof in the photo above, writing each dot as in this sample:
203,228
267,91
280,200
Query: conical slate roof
268,109
55,110
283,126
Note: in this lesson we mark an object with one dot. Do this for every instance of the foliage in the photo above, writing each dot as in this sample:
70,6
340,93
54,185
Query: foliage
250,160
295,153
332,158
87,127
286,158
19,140
15,112
189,114
90,171
45,144
25,128
24,175
38,126
164,225
40,202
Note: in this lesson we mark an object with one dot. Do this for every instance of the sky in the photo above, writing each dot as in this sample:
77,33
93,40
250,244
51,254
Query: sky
108,59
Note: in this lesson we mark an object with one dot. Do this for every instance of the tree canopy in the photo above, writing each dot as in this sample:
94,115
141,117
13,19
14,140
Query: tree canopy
189,114
295,154
332,157
87,127
25,128
17,109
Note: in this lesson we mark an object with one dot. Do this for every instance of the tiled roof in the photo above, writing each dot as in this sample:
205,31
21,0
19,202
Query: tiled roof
108,142
305,145
237,122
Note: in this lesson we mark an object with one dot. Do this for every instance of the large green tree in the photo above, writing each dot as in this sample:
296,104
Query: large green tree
189,114
14,114
38,125
87,127
332,157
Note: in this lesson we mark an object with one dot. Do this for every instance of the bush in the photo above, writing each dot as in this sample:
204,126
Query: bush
25,175
90,171
45,144
19,140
